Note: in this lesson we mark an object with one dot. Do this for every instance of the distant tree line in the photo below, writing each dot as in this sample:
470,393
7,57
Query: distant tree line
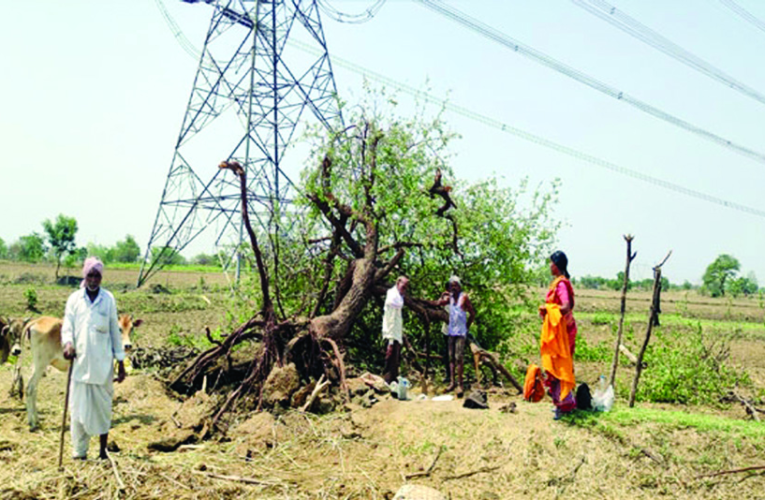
720,279
56,244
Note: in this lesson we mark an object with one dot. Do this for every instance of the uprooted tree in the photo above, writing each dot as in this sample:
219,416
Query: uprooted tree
374,205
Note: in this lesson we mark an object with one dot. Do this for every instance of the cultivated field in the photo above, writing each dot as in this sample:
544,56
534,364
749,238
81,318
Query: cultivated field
653,450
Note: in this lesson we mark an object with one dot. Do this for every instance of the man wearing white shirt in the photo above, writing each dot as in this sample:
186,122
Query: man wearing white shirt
91,338
393,327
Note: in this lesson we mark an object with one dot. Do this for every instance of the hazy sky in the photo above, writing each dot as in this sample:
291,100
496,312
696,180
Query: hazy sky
94,91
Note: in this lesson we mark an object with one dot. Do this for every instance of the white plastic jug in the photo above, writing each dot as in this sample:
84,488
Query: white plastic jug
403,386
603,399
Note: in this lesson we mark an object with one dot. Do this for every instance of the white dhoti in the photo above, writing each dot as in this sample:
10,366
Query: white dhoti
91,410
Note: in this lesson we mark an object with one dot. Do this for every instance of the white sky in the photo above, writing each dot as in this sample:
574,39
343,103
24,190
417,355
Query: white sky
94,91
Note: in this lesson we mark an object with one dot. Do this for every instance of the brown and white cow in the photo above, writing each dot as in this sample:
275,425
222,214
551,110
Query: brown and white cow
10,337
44,335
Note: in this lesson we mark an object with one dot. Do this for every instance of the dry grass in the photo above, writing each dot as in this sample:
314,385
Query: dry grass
655,450
366,453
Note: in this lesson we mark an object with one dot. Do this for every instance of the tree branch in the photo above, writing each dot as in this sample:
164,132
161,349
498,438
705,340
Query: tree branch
236,167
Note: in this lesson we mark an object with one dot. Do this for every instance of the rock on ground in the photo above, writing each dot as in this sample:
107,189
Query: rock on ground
415,492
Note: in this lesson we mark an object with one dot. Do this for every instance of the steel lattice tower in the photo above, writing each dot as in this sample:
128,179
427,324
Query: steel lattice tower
248,78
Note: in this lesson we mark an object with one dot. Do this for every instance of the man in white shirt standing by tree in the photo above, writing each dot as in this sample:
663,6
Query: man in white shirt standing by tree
393,327
91,338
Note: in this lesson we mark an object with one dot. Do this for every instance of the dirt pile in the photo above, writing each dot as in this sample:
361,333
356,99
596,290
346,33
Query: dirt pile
280,385
255,434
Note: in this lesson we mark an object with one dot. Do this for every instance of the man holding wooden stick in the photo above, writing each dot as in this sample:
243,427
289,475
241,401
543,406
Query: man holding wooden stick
91,339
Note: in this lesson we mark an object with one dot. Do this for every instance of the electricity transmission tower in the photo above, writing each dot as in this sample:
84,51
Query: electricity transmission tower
251,81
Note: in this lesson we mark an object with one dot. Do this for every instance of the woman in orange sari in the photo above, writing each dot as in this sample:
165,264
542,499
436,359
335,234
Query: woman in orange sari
559,336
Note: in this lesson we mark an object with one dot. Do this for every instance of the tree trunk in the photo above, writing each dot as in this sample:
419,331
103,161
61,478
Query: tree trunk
651,318
630,257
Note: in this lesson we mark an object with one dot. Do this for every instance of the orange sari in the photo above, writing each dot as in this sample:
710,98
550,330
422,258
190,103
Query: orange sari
557,358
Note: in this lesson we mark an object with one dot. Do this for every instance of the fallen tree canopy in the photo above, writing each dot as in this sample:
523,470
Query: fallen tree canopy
374,207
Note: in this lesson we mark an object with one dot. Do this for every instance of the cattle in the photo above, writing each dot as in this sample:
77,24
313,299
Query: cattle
44,336
10,345
10,337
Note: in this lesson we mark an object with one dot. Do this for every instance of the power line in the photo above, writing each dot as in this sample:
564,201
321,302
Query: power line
177,32
634,28
581,77
528,136
344,17
745,14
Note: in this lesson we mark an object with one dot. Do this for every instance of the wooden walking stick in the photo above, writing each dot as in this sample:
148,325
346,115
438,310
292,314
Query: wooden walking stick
63,420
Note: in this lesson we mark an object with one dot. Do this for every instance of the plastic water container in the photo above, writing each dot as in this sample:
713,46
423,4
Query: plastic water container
394,389
403,387
603,399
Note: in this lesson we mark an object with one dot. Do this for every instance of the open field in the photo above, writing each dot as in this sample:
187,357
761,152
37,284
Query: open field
650,451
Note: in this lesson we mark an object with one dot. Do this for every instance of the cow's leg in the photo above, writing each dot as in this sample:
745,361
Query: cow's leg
20,383
17,383
32,395
40,360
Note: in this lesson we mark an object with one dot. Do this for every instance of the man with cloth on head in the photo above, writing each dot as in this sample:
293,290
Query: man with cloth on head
461,316
393,327
92,340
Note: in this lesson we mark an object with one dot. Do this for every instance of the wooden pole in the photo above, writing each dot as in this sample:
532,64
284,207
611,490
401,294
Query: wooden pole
651,318
63,420
630,257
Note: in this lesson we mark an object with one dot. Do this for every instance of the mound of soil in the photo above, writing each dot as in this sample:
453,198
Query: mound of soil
280,385
256,433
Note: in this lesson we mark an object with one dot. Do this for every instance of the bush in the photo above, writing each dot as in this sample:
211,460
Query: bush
602,318
31,295
692,370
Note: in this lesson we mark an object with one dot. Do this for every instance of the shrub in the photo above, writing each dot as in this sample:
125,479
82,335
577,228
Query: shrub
602,318
691,370
31,295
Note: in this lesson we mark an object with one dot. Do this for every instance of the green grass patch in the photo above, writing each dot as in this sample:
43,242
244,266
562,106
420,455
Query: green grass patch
600,352
682,420
136,266
630,417
667,320
145,303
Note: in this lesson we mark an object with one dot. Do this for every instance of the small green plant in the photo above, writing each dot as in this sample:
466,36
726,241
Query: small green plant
177,338
586,352
682,306
31,295
602,318
174,337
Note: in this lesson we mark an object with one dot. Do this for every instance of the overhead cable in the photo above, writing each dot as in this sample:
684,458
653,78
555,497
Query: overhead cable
344,17
528,136
634,28
581,77
744,14
177,32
